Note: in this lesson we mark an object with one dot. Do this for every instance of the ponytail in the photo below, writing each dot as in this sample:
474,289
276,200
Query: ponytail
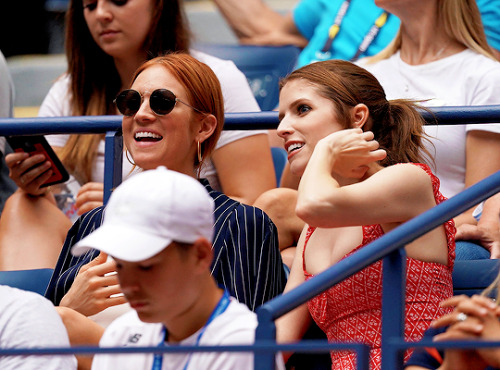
401,133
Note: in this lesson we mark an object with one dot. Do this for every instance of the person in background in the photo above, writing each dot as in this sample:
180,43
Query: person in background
28,320
7,186
441,57
106,41
357,183
341,26
330,29
158,228
179,99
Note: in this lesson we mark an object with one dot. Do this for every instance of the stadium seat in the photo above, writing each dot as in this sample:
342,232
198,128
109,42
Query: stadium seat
33,75
35,280
472,277
263,67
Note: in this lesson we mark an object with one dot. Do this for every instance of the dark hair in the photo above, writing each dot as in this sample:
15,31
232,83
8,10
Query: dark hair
202,86
396,124
94,80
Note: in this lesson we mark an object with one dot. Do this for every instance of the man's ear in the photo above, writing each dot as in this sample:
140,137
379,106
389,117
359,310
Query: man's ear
206,128
359,115
202,249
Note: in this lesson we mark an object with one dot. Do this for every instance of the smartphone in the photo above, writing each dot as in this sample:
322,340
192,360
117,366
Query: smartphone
36,144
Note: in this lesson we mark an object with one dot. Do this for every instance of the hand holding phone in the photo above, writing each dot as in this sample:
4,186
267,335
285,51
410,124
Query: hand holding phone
37,144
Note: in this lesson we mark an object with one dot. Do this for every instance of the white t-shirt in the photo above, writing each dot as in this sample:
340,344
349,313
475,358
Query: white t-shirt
29,320
236,325
238,97
463,79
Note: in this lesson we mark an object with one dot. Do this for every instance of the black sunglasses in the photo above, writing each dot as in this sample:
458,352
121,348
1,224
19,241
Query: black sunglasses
161,101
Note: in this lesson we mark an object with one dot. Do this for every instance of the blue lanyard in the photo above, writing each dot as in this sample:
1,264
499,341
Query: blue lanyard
218,310
325,53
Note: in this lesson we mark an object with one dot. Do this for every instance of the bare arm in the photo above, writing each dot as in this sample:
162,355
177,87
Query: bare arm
385,195
245,168
292,326
82,331
254,22
482,159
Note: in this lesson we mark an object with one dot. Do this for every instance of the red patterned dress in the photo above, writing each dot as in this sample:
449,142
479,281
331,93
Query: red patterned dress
351,310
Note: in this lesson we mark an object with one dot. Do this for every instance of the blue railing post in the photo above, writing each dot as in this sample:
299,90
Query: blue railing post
266,331
393,313
113,161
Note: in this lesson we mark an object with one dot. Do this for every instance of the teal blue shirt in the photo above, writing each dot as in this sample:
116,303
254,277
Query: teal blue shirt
313,19
490,15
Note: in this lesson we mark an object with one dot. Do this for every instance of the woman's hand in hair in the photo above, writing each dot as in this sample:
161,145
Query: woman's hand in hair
89,196
29,172
351,151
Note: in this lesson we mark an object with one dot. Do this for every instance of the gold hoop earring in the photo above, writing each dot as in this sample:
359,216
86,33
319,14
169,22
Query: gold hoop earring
200,158
128,159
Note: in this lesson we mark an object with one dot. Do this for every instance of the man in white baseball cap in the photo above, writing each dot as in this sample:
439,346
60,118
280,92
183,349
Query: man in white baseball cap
158,228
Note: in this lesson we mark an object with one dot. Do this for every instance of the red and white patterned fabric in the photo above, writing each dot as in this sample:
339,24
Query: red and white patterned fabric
351,310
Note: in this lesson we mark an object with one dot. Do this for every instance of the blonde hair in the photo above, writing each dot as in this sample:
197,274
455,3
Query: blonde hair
462,23
493,289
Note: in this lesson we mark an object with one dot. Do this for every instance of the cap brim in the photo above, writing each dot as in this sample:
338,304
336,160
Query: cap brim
120,242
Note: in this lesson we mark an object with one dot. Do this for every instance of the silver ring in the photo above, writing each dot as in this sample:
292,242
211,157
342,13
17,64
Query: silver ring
461,316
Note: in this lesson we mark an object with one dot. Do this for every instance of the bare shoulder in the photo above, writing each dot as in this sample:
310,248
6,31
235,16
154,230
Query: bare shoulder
406,172
406,180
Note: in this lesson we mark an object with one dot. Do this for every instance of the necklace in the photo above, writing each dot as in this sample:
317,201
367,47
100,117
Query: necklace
406,85
440,51
434,58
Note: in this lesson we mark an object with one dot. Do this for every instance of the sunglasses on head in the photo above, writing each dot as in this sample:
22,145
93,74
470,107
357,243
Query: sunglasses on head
161,101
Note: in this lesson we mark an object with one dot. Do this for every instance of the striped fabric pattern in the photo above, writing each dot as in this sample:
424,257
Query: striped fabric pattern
247,260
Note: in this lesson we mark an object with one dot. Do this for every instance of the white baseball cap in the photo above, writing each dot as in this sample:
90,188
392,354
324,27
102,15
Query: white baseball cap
148,212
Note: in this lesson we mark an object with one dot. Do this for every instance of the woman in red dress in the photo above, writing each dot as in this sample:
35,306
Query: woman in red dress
358,158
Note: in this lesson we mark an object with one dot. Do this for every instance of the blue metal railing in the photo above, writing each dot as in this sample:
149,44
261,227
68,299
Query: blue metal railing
233,121
388,246
111,125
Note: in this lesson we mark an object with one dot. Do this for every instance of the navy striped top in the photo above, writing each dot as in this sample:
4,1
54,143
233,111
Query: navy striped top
247,260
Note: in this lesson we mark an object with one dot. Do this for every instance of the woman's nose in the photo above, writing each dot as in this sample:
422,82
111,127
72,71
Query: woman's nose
284,128
103,11
145,113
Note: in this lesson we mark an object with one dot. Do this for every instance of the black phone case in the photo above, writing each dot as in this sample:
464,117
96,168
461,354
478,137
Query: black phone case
36,144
